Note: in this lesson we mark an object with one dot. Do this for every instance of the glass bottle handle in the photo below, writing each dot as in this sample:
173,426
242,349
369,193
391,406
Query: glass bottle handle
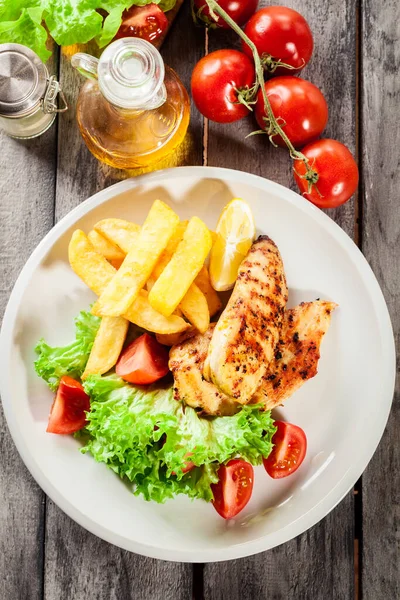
86,65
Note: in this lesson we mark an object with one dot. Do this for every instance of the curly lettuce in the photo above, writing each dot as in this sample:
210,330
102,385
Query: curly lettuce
146,436
68,21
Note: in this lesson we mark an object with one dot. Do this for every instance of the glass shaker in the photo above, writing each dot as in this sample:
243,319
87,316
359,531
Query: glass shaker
133,110
28,95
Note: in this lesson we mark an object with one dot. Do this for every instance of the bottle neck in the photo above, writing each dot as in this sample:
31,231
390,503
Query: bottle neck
131,75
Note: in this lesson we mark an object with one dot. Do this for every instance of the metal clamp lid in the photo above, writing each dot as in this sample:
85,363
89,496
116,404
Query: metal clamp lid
25,84
50,104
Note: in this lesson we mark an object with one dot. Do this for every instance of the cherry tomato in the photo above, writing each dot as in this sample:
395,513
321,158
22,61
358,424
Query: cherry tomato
337,173
288,452
239,10
216,80
143,362
146,22
67,414
234,488
280,34
300,106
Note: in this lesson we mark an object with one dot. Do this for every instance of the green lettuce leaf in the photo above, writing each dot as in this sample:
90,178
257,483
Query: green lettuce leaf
54,362
144,435
11,10
72,22
68,21
27,30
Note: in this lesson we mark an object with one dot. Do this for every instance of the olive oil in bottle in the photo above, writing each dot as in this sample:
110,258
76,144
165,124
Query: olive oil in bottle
133,111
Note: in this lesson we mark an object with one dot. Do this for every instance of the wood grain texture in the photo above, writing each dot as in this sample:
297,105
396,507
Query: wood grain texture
78,565
380,575
320,563
171,16
27,180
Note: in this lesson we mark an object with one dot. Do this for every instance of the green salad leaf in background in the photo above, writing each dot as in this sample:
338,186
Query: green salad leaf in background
146,436
68,21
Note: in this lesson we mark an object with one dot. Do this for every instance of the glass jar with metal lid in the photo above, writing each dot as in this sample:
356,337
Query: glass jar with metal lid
28,95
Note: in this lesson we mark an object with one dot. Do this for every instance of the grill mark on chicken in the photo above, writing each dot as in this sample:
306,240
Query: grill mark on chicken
296,360
249,328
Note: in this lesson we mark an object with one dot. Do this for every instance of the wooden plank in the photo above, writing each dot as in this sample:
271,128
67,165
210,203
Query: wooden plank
318,563
380,565
78,565
26,214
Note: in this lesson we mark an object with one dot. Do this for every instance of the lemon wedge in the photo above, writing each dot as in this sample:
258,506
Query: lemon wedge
235,233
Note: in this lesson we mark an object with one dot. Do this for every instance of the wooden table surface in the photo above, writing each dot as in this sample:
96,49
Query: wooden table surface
354,551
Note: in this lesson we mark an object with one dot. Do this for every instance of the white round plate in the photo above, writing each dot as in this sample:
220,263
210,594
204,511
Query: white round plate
343,410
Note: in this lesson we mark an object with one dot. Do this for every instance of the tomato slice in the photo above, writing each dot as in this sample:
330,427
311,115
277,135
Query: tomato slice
67,414
234,488
290,447
143,362
146,22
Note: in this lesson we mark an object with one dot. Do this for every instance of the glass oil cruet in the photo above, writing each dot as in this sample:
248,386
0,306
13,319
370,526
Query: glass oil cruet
133,111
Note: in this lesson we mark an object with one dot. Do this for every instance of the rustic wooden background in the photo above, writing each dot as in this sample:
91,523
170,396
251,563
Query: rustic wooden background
354,552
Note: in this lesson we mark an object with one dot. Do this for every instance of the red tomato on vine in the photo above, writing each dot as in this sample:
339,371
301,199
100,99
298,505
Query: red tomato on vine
281,35
239,10
299,106
218,80
336,173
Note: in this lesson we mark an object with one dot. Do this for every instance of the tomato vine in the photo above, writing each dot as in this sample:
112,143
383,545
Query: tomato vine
273,125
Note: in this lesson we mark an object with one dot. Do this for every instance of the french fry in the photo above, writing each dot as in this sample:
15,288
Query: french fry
176,338
141,313
119,232
167,254
140,261
96,272
182,269
107,346
105,247
213,300
88,264
195,308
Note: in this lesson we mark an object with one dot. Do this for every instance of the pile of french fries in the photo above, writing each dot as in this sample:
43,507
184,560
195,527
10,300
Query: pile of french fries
153,276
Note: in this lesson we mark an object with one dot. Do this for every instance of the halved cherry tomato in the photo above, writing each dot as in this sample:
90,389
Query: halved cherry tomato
143,362
280,34
290,447
68,414
146,22
300,107
234,488
239,10
216,81
337,173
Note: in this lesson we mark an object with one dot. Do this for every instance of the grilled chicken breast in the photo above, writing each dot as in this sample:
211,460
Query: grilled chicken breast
244,339
297,353
186,361
295,361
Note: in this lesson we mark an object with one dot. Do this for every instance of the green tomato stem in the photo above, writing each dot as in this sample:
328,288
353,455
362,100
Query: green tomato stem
274,127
